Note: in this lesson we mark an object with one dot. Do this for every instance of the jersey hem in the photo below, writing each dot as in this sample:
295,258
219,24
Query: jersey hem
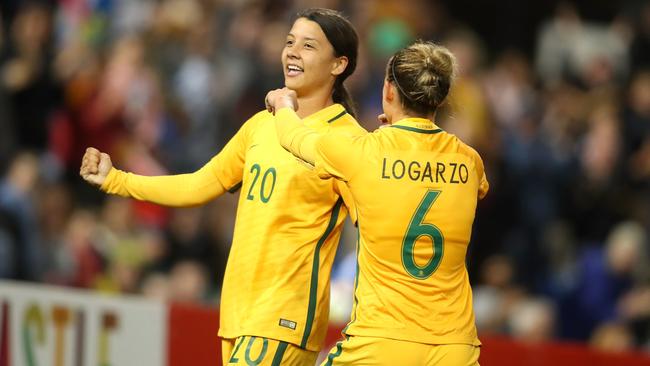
422,338
293,340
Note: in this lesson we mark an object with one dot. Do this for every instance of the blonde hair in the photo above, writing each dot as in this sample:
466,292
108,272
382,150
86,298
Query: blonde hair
423,73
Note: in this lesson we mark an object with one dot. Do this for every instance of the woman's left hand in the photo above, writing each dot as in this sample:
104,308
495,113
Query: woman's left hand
281,98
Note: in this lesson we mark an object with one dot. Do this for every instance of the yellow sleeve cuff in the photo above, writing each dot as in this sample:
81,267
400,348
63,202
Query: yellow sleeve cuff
113,183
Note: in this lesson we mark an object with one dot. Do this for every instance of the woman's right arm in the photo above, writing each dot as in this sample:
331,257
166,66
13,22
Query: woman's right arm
224,172
180,190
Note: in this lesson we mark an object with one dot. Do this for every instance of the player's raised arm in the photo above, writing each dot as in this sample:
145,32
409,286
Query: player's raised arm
292,134
332,153
180,190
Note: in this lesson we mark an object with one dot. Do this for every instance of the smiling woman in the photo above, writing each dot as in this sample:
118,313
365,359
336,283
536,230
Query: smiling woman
318,47
287,218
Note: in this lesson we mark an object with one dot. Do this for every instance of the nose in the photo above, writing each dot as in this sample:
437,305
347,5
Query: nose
292,54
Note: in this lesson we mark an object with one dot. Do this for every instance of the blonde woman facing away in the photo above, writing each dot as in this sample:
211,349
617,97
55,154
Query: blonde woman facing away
415,188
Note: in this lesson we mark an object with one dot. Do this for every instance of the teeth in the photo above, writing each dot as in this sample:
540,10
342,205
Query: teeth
294,68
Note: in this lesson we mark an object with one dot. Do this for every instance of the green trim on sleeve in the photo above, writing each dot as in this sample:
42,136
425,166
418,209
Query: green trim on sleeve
234,188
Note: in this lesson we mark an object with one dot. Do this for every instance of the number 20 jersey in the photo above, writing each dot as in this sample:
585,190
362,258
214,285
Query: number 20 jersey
287,229
415,188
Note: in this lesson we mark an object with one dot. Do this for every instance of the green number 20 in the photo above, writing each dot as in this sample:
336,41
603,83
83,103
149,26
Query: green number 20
270,172
416,229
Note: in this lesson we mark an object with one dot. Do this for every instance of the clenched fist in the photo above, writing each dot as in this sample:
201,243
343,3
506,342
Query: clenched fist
95,166
280,98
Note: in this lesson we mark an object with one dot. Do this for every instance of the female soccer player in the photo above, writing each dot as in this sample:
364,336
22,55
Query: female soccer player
415,188
275,295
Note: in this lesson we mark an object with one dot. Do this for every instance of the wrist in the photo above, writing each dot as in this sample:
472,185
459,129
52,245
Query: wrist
112,173
286,103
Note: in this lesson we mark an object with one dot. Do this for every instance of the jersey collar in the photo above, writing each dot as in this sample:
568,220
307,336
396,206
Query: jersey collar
420,125
325,115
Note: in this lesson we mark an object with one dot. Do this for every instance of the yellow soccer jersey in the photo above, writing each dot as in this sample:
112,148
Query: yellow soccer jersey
415,188
287,229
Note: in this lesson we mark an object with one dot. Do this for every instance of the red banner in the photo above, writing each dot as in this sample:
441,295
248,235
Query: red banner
193,341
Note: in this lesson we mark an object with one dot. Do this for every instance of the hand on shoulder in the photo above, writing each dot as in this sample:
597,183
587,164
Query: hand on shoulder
281,98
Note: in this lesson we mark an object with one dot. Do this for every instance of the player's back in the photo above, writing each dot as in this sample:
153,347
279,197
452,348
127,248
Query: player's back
416,192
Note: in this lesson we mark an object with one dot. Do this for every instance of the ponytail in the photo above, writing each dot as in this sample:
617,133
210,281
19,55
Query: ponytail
342,96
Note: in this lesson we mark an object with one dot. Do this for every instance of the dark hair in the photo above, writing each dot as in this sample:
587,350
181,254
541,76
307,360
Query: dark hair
341,34
423,73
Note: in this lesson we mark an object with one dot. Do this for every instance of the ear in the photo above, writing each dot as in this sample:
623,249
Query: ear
339,65
389,91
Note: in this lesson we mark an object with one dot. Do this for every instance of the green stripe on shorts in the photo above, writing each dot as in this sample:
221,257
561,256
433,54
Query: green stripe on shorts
332,356
279,353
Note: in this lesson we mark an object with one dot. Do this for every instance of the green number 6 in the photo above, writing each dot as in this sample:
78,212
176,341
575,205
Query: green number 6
417,229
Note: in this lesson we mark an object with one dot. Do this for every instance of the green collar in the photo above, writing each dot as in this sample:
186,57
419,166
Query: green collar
420,125
325,115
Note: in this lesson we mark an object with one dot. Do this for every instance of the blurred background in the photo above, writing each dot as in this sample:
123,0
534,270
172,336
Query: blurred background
555,95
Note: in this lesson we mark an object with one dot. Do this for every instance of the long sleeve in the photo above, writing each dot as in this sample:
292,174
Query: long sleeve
223,172
479,168
333,154
294,136
180,190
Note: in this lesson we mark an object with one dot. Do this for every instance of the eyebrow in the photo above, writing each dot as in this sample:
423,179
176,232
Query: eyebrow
306,38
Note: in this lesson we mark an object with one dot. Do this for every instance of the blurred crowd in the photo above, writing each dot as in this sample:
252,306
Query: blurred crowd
560,245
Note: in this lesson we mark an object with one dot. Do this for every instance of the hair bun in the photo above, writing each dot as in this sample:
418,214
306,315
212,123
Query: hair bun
428,62
423,73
